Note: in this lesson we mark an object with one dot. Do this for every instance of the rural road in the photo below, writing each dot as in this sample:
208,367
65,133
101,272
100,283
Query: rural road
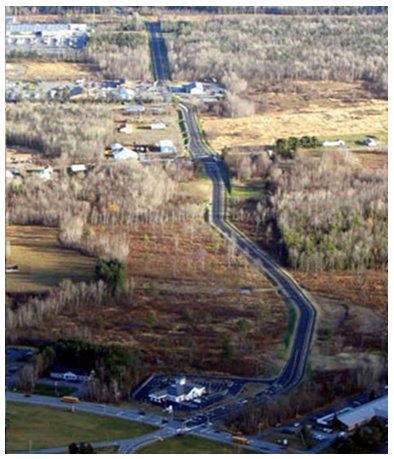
294,369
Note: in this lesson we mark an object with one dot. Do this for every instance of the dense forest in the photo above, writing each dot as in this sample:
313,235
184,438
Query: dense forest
275,48
66,131
322,215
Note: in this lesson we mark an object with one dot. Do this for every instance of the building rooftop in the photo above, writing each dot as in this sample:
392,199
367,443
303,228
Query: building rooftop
378,407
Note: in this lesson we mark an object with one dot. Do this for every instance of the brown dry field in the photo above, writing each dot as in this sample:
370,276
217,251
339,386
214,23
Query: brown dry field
365,289
373,159
87,18
186,304
323,109
33,70
352,325
42,262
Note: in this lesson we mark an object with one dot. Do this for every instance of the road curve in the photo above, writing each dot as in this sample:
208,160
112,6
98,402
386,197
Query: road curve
294,368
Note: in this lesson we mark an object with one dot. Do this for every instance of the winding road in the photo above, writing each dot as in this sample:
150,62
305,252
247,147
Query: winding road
294,369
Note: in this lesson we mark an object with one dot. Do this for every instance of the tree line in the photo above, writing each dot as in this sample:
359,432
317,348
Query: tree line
275,48
293,10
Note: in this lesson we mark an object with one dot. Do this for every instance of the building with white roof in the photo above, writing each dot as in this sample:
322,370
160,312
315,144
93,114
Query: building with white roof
166,146
364,413
178,392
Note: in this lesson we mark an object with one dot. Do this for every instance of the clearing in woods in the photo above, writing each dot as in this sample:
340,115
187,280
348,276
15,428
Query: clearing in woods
43,263
56,427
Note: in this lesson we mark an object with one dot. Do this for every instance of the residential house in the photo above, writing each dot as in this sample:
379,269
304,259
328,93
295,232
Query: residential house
125,128
46,173
124,153
75,168
166,146
135,109
334,143
70,374
195,87
158,125
115,146
126,94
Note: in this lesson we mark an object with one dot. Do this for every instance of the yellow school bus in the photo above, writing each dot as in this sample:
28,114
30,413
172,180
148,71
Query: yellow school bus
70,399
240,440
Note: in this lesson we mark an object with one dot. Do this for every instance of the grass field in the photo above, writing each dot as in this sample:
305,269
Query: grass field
42,262
328,110
52,427
33,70
191,445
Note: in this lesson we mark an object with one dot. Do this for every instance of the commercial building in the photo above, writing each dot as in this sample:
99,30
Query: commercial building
364,413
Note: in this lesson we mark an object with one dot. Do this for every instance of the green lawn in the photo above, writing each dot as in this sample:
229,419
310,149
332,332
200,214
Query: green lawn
191,445
245,192
42,427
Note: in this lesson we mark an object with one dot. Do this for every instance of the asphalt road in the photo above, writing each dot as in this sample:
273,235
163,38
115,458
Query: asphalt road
294,369
158,53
